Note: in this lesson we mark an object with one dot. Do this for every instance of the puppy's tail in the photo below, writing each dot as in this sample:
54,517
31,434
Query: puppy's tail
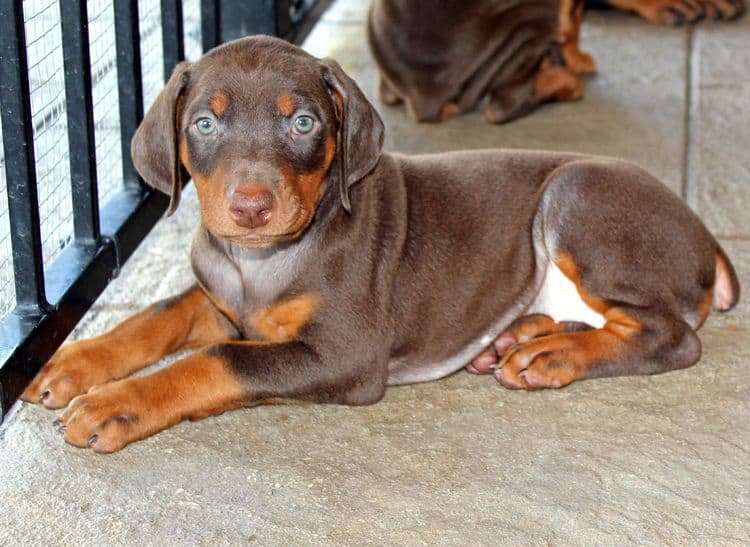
726,285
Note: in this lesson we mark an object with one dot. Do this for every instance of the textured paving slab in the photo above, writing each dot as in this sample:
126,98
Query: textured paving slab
647,460
657,460
719,177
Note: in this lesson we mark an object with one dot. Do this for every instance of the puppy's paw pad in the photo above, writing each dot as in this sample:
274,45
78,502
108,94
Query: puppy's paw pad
484,363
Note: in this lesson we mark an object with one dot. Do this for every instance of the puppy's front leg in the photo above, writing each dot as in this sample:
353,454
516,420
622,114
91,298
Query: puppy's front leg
185,321
211,381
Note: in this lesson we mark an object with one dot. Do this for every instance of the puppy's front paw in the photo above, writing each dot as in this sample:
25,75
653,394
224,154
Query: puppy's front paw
110,416
73,370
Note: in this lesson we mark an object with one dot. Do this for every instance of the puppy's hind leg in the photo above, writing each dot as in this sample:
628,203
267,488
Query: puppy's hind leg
522,330
638,257
635,339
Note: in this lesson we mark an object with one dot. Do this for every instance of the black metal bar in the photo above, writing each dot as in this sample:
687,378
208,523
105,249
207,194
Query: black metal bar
76,278
303,20
210,23
288,19
130,85
18,143
28,342
239,18
172,34
79,103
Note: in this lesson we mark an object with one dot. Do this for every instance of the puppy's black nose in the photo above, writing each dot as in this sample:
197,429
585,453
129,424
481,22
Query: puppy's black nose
251,209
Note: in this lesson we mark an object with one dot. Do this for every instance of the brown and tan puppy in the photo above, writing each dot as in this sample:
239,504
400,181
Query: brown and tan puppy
328,270
445,57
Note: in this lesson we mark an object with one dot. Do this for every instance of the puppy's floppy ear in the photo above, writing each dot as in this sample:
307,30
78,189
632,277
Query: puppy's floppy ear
154,145
360,129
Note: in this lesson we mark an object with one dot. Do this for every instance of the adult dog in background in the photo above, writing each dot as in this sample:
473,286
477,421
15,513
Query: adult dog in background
445,57
328,270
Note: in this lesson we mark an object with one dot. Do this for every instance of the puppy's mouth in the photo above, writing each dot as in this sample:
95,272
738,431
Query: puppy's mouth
257,239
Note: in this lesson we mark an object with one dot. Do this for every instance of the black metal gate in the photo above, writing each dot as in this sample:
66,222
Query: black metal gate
50,299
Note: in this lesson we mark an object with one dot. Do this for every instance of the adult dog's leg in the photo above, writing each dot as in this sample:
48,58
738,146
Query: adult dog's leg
386,94
570,21
680,12
186,321
550,82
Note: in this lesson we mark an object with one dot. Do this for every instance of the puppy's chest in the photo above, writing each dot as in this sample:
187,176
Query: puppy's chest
250,287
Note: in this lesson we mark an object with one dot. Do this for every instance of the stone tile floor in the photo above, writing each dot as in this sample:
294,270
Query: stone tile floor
646,460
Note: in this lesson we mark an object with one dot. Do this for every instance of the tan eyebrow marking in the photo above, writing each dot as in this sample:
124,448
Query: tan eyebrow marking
286,104
219,104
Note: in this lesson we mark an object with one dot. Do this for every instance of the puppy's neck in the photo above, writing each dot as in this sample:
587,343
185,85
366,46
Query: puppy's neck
266,273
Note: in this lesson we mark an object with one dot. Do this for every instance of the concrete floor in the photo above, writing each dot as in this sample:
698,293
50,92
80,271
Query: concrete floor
645,460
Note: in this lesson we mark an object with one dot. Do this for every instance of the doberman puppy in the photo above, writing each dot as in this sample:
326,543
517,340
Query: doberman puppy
328,270
445,57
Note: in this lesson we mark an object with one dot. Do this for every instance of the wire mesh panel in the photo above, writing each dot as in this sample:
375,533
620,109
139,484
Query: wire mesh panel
152,54
7,287
192,29
104,77
47,86
105,97
42,23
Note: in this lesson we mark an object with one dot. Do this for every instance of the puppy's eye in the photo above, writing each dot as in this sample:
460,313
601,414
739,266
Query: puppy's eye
205,126
304,124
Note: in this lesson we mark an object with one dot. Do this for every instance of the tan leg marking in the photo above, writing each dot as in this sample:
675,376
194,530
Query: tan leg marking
115,414
570,21
558,359
724,296
557,82
187,321
282,321
521,330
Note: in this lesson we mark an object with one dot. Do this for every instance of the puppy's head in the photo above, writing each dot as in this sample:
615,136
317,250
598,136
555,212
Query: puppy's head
264,130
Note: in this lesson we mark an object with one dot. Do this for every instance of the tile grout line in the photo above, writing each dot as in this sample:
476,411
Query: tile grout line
687,119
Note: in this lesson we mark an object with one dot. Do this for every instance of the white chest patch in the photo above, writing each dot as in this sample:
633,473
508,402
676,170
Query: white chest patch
559,298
